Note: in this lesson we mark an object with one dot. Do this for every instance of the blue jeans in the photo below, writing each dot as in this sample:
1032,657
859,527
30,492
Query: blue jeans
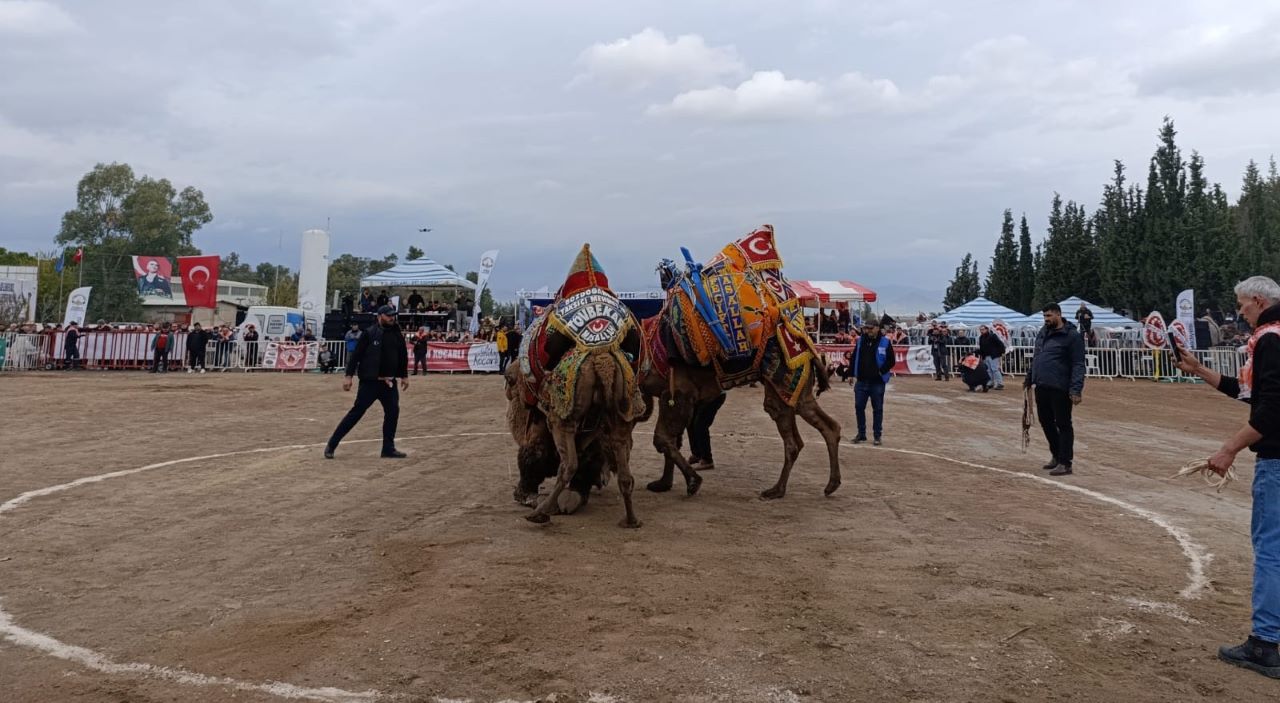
993,368
862,392
1266,550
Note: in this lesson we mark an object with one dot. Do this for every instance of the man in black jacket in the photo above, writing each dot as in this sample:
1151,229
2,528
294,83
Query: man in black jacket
380,359
197,345
939,344
990,349
1057,372
1258,385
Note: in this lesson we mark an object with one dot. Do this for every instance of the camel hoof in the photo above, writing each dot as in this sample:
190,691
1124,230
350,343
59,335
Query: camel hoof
658,486
538,518
831,488
694,485
629,524
570,502
773,493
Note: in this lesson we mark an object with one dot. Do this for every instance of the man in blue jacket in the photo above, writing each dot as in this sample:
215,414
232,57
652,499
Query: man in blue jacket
1057,372
873,361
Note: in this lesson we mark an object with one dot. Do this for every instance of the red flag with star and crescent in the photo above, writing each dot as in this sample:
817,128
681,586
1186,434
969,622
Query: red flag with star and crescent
199,280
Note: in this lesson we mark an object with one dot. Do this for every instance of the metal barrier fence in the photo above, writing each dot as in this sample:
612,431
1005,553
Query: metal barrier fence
1132,364
133,350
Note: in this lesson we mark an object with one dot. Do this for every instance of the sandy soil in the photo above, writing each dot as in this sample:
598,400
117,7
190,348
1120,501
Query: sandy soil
920,580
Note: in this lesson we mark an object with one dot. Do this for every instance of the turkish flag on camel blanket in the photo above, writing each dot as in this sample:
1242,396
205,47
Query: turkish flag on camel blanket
199,280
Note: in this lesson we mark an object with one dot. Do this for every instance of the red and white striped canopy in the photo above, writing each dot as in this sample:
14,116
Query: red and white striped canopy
811,293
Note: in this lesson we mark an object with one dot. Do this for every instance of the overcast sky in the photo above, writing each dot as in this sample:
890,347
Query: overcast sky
882,139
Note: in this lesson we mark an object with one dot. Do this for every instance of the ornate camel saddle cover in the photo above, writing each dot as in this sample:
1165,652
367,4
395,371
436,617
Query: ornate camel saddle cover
585,317
738,314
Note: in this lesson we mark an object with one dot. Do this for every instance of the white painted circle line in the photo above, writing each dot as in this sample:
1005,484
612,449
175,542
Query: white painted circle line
99,662
1198,559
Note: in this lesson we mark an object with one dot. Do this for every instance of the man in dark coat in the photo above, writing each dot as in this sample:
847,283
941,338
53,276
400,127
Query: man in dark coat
1057,372
197,343
379,360
990,350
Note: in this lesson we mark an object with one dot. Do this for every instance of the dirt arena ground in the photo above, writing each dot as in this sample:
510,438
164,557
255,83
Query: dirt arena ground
272,574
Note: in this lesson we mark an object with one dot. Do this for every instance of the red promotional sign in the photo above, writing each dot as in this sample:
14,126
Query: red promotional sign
200,280
443,356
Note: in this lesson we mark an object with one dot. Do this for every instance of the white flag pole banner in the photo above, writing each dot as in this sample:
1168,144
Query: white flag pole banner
487,261
395,302
77,303
1186,311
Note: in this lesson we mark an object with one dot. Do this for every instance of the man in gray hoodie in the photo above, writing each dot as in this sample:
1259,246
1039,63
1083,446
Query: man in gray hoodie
1057,372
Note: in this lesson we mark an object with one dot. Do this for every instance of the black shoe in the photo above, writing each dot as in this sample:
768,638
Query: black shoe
859,439
1062,470
1053,464
877,441
328,452
394,454
1255,654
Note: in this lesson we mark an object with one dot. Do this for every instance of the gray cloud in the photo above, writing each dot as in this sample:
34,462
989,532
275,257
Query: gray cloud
883,139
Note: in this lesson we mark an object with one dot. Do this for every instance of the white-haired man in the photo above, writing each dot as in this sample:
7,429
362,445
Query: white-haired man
1259,385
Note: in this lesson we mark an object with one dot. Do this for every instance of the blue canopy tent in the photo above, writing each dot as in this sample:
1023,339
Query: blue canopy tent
419,273
1102,317
981,311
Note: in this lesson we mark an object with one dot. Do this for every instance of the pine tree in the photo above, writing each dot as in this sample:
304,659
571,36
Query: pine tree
1026,269
965,286
1003,276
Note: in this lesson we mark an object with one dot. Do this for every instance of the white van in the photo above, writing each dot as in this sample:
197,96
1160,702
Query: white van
278,322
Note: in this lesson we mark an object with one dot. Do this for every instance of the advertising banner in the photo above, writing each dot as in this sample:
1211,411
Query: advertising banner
77,303
291,356
1186,311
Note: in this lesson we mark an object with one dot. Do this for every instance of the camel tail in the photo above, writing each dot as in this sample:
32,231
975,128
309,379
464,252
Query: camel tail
610,384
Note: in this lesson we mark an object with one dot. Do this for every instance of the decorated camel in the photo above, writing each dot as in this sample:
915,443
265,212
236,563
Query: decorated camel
728,323
572,397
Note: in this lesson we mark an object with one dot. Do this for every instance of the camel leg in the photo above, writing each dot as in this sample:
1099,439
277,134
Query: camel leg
813,414
621,461
785,418
566,444
672,421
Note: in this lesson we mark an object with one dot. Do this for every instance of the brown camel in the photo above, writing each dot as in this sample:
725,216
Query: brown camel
693,385
576,378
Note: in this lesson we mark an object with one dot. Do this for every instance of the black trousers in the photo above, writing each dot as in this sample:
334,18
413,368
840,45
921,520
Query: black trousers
367,393
197,358
250,354
700,427
941,367
161,357
73,356
504,358
419,362
1053,407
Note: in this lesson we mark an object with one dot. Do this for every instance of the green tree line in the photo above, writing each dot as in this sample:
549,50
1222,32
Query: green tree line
1141,245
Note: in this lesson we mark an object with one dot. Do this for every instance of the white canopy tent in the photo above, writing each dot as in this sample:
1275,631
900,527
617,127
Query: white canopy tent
419,273
981,311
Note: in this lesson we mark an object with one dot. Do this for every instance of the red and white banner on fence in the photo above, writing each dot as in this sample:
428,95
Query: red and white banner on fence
907,360
445,356
291,356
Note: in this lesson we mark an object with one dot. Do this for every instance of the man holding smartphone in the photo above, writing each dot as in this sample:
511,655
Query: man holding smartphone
1259,385
380,359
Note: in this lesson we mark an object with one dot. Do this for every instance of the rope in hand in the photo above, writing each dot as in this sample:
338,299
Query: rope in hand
1028,416
1211,477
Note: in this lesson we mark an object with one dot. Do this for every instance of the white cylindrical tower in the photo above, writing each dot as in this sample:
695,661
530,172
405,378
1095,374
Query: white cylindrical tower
313,272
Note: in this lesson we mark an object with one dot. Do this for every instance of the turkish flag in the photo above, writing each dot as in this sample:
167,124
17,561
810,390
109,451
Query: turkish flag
79,255
199,280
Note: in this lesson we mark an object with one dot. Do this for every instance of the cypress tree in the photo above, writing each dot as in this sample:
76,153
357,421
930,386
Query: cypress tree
1003,276
965,286
1026,269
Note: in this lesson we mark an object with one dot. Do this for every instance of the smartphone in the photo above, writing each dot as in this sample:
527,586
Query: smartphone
1177,351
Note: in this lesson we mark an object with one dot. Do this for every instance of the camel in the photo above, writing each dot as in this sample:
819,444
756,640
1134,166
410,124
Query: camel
686,363
575,385
696,384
